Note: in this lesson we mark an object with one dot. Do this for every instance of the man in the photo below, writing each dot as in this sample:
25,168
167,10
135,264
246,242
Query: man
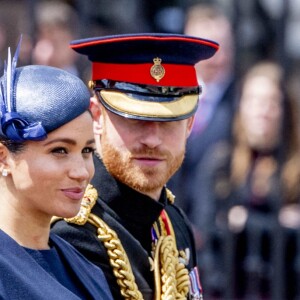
146,94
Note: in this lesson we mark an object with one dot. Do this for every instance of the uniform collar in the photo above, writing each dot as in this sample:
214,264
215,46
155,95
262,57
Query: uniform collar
127,203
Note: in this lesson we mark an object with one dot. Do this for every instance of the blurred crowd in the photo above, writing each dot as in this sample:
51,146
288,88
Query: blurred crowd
239,184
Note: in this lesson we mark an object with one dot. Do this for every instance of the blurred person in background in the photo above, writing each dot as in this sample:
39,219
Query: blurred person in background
248,212
56,26
217,103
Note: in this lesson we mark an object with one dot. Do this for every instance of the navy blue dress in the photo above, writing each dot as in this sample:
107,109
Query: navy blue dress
59,273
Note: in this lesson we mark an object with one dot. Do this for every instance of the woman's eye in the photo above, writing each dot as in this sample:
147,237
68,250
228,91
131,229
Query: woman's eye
59,150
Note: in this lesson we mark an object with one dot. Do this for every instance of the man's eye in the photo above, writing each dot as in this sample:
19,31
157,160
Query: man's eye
88,150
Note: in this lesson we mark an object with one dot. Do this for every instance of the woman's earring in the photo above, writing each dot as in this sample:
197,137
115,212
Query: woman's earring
4,172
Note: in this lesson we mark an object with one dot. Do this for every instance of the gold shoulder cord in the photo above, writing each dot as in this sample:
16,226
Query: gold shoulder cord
171,276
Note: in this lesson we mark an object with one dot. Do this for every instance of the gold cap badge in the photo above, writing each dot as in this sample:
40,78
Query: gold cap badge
157,71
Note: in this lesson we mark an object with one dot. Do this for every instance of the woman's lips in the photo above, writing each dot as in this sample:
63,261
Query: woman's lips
73,193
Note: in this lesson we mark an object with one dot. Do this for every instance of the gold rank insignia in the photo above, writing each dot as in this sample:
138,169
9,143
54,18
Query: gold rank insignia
157,71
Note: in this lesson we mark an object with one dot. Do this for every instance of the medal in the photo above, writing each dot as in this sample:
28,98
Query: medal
195,288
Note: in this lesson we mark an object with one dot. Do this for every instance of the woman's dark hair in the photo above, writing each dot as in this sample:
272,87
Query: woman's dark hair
289,160
12,146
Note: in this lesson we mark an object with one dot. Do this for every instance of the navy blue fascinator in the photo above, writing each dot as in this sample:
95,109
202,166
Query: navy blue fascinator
36,100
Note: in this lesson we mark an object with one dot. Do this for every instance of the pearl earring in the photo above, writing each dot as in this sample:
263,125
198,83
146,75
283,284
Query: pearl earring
4,172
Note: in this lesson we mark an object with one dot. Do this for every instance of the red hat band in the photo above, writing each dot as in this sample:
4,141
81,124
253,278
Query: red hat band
156,73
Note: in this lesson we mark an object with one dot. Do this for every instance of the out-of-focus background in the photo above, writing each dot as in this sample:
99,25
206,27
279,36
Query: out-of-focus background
239,183
262,28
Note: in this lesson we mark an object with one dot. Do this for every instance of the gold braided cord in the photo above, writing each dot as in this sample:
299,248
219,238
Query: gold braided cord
171,276
88,201
182,274
170,196
164,269
182,281
117,255
117,258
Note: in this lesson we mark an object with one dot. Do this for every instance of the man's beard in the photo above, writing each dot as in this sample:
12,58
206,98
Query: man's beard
143,179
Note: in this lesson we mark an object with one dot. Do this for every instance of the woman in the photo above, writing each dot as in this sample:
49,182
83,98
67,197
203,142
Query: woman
248,213
46,146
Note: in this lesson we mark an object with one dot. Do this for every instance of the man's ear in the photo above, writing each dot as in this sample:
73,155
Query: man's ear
190,125
95,108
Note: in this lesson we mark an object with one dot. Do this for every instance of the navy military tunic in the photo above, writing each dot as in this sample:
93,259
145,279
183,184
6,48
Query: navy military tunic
131,215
